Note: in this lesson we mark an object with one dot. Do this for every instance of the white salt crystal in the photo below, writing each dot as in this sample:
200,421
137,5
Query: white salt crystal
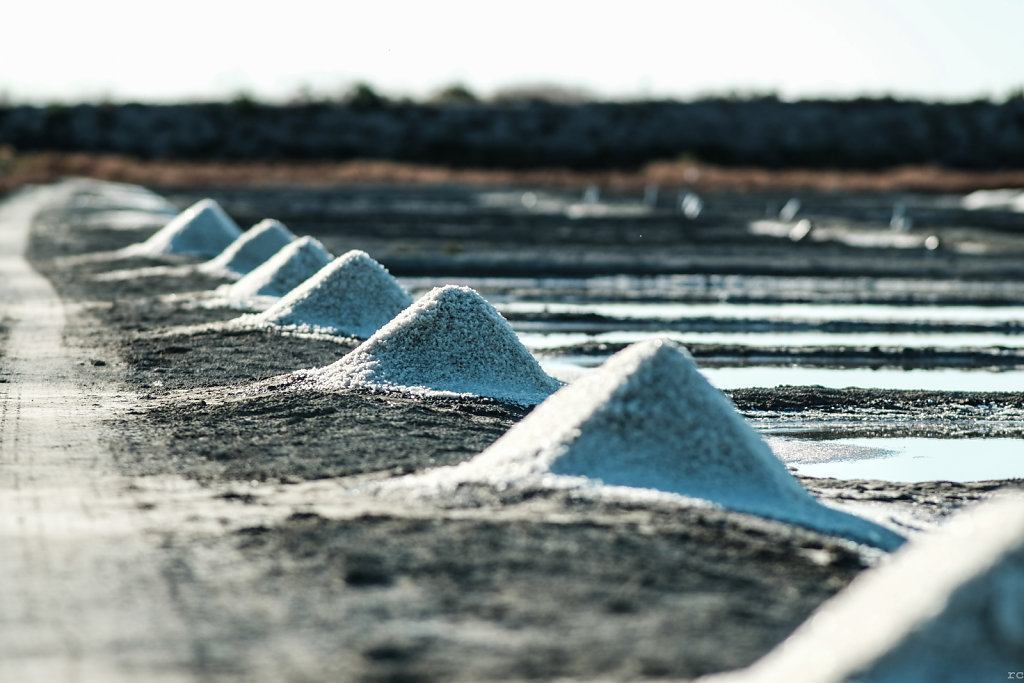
352,295
251,249
284,271
203,229
449,342
648,419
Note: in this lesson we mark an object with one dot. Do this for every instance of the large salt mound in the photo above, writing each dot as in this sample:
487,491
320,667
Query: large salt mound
251,249
451,341
352,295
949,606
649,419
203,229
292,265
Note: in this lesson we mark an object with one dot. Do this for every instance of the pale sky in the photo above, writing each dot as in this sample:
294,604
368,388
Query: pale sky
207,49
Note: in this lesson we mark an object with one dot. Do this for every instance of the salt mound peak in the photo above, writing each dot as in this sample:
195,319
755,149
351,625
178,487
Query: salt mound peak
251,249
648,419
352,295
945,607
203,229
450,341
292,265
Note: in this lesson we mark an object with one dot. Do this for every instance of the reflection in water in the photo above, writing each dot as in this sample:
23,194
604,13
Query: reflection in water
569,368
539,340
803,312
907,459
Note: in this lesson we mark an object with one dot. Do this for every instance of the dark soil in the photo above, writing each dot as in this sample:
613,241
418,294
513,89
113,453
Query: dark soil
654,595
288,436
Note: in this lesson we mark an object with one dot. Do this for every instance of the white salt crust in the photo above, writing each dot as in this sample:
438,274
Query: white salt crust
449,342
292,265
353,296
203,229
251,249
648,419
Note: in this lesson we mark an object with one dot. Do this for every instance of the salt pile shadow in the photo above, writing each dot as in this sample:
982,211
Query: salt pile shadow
251,249
292,265
946,607
450,342
648,419
203,229
353,295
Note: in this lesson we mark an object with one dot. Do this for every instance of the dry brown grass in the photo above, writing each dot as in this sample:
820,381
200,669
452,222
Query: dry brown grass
17,170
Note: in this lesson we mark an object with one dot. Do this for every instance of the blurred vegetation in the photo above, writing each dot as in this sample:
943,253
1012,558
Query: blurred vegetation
535,126
455,94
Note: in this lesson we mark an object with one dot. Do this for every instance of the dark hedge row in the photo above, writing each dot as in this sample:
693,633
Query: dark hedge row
762,132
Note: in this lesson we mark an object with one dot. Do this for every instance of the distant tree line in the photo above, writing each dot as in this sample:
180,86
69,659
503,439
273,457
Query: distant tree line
455,128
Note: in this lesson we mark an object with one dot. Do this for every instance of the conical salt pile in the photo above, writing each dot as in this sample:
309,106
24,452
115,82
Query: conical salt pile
292,265
203,229
649,419
251,249
451,341
352,295
949,606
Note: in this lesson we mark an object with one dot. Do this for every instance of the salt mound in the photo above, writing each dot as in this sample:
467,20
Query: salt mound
102,195
251,249
451,341
649,419
203,229
946,607
284,271
352,295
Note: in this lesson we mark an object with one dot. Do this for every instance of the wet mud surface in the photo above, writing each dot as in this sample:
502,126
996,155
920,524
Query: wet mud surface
488,584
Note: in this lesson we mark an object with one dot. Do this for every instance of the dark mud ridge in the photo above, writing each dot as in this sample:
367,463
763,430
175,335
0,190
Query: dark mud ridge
486,585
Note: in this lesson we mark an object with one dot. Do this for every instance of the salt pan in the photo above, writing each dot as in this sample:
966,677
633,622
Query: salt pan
288,268
449,342
648,419
353,295
203,229
251,249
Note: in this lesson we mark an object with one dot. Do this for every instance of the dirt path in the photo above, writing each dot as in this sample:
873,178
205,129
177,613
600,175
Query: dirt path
83,598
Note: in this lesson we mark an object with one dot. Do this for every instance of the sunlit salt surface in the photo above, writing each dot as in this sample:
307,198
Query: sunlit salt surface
570,368
554,340
801,312
916,459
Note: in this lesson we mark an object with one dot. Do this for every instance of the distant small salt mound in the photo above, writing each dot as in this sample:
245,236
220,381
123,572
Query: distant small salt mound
103,195
648,419
946,607
292,265
451,341
203,229
251,249
352,295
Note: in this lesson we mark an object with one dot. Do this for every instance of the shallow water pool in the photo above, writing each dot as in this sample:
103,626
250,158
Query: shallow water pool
942,379
570,368
554,340
905,459
775,311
